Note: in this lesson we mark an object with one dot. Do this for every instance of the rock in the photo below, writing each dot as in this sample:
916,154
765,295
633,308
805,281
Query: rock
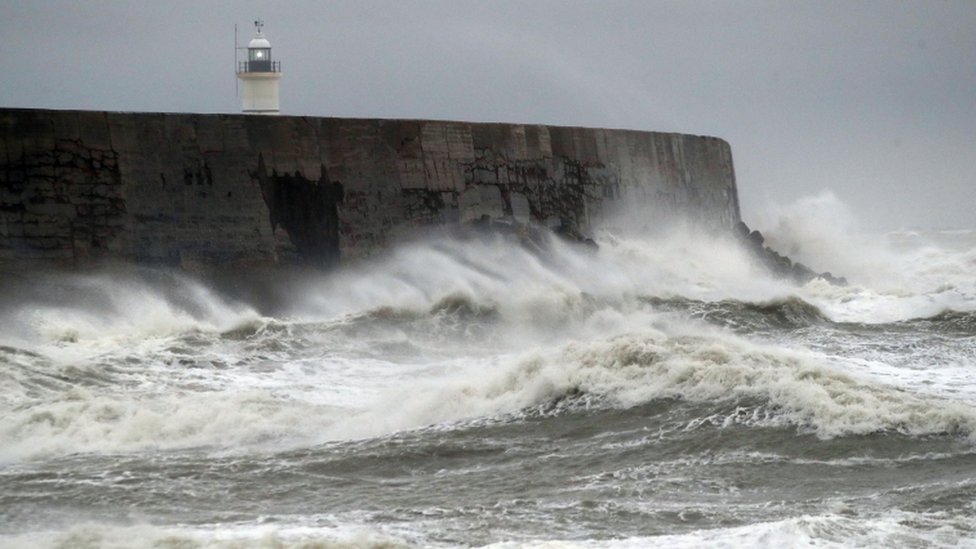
835,280
779,264
802,274
756,237
569,232
741,229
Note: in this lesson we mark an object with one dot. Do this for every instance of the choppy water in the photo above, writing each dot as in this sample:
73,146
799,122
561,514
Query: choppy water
658,391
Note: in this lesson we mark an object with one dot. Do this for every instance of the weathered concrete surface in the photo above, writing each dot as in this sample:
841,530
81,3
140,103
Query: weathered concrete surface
194,189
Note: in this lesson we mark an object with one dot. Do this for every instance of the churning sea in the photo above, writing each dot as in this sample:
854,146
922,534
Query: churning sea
661,390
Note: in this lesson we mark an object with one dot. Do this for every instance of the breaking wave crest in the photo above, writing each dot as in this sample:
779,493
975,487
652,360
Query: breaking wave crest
104,310
81,421
784,313
293,407
963,322
635,369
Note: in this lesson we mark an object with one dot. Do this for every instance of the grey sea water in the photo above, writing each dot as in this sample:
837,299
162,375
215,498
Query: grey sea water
662,390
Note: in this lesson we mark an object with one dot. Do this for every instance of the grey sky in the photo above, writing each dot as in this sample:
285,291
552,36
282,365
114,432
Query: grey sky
875,101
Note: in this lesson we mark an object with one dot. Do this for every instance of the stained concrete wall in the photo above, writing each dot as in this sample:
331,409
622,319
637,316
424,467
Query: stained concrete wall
186,189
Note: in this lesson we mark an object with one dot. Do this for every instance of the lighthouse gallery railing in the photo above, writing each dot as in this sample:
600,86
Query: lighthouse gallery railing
259,66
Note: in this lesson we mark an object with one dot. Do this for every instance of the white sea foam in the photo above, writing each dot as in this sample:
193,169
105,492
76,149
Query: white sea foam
552,323
108,536
311,402
638,368
333,394
895,529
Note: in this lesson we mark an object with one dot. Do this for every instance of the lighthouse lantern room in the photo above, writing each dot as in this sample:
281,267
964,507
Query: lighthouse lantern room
259,76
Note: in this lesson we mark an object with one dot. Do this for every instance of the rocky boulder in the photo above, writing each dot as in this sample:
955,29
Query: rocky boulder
777,263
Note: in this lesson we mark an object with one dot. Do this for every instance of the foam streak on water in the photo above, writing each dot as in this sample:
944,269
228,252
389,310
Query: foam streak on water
661,390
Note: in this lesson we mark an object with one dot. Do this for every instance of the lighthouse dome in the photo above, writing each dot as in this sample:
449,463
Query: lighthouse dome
259,42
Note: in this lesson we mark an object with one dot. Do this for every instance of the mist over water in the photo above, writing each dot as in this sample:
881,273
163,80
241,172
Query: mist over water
660,389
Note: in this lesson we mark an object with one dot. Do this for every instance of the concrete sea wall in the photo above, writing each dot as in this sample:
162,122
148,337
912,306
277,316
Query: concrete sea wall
77,187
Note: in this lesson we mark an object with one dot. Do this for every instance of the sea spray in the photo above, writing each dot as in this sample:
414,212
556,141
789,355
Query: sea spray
117,305
894,276
661,389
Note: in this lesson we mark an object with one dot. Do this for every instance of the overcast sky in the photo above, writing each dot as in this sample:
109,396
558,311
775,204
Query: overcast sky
872,100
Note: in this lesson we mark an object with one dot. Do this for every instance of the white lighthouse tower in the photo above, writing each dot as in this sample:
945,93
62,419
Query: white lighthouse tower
259,76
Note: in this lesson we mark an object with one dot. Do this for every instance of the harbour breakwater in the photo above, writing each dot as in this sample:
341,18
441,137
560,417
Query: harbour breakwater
192,190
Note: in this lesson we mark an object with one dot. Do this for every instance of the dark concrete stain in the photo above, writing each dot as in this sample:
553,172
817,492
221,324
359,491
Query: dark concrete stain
306,210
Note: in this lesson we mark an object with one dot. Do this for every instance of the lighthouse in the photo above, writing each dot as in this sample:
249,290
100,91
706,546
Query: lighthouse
259,76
